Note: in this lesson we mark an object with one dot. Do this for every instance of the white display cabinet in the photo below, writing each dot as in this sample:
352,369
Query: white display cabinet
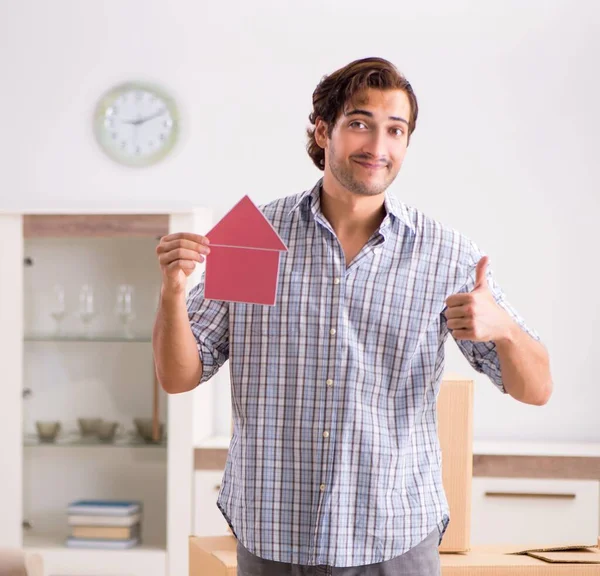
106,371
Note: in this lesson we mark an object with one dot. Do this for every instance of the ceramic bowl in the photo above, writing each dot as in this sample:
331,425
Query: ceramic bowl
47,431
144,429
88,426
106,431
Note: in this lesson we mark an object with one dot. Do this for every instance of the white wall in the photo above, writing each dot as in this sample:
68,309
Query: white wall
503,148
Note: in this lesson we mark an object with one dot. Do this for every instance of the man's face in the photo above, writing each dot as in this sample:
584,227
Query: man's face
368,142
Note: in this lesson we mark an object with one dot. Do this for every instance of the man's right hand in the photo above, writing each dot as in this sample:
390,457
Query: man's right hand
177,255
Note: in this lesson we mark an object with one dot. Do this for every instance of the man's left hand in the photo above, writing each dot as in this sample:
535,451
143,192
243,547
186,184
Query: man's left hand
475,315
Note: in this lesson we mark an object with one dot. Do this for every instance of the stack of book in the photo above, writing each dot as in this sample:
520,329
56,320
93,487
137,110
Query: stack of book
110,524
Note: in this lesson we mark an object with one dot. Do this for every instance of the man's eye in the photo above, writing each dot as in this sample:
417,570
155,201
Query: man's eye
398,131
356,123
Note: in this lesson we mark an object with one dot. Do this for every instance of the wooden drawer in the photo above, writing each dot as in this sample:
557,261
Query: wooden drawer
208,520
535,512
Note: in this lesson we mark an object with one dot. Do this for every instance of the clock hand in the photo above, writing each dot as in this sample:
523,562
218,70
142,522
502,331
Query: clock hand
143,120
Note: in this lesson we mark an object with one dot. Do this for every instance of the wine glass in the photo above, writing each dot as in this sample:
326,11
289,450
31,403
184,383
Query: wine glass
124,308
86,307
58,310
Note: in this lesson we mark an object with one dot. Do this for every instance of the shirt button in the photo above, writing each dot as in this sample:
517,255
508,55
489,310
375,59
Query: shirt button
336,280
325,434
322,487
332,331
329,382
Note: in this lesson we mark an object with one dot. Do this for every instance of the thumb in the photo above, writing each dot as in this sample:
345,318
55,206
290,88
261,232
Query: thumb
480,278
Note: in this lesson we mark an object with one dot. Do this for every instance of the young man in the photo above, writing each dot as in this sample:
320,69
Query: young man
334,465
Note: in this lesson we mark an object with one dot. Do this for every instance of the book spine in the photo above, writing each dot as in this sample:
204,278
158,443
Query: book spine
105,532
87,520
101,511
102,544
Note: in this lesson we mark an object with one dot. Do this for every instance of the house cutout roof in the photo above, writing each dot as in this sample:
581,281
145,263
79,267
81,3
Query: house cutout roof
245,226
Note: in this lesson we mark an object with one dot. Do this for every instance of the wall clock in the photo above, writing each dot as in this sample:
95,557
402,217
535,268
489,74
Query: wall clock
136,124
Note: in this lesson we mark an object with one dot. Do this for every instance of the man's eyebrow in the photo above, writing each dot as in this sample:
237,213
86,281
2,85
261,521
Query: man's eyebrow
370,115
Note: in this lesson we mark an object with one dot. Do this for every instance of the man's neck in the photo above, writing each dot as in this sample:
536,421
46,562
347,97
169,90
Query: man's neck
351,214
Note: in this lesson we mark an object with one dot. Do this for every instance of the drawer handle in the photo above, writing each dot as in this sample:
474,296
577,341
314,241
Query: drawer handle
557,496
217,487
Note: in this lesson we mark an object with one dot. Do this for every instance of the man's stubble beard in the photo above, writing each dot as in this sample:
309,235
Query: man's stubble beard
344,176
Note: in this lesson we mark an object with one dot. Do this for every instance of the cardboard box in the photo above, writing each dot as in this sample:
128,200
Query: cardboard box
217,556
498,561
455,432
213,556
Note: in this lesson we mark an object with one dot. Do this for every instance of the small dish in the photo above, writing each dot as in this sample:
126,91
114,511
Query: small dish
47,430
144,429
88,426
106,431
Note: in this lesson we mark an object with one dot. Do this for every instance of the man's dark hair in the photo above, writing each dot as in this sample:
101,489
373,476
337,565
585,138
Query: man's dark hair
350,84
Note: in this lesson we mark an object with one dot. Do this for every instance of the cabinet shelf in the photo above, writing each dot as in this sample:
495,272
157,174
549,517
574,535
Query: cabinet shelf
57,542
107,337
32,440
59,559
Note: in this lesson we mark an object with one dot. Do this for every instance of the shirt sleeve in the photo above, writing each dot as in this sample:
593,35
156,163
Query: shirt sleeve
483,356
209,321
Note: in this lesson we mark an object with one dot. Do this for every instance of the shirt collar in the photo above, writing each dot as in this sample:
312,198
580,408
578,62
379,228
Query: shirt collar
393,206
398,209
313,193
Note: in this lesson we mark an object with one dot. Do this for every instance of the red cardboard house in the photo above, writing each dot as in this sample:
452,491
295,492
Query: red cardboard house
243,264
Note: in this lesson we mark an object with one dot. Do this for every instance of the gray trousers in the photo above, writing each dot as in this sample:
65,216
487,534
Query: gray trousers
421,560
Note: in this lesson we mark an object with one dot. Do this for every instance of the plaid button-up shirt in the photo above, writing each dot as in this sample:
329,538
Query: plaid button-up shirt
335,457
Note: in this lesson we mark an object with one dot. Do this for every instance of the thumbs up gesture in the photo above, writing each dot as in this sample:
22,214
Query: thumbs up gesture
475,315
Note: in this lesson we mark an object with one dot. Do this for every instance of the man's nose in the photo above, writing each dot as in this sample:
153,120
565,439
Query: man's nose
376,148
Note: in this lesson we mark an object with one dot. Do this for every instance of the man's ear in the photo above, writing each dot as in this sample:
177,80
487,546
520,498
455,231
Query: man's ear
321,133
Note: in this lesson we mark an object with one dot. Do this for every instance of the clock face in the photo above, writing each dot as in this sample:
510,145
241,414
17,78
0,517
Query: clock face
136,124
